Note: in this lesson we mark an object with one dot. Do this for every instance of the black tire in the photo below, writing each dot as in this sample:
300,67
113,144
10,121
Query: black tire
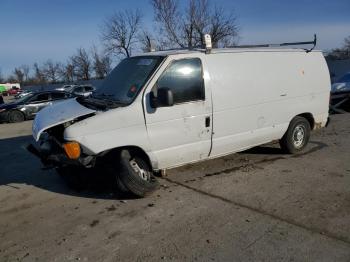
132,180
297,136
15,116
120,186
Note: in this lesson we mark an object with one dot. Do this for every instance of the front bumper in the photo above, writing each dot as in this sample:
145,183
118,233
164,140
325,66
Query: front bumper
52,155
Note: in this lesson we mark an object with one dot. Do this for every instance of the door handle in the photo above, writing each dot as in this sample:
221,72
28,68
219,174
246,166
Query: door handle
207,121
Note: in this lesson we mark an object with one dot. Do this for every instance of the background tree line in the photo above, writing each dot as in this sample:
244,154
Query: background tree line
123,34
342,52
83,65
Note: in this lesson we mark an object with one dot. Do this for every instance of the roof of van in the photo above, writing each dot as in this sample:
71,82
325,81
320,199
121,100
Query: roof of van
222,50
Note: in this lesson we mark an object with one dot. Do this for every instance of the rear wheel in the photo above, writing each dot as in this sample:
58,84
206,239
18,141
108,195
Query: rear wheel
297,136
136,174
16,116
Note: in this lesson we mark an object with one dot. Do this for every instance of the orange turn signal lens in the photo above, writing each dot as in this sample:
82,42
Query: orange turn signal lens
72,150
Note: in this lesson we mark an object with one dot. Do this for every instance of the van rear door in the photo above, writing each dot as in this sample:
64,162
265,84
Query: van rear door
181,133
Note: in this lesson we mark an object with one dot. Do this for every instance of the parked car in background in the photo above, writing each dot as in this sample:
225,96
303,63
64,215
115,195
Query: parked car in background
340,95
23,93
28,106
4,88
14,91
78,90
65,88
342,84
83,90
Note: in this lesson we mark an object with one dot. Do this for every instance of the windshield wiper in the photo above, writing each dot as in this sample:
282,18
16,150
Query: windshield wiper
108,98
98,104
102,95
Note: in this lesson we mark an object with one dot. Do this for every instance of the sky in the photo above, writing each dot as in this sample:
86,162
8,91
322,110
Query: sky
37,30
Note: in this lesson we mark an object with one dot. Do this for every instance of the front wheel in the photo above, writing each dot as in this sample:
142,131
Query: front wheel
297,136
15,116
136,174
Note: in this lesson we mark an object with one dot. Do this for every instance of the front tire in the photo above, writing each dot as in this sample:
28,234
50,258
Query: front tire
15,116
136,174
297,136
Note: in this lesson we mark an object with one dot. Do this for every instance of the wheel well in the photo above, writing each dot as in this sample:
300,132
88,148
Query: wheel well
309,118
19,111
134,150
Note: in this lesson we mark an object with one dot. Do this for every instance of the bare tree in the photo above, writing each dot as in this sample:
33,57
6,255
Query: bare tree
1,76
67,71
101,63
82,64
19,75
39,75
120,31
11,79
186,27
347,43
51,71
147,42
25,69
341,53
167,15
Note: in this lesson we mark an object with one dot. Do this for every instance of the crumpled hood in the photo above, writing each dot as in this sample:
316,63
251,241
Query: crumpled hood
57,114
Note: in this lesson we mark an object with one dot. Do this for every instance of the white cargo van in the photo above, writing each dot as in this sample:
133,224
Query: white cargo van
161,110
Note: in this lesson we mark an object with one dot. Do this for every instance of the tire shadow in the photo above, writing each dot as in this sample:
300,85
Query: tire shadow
18,166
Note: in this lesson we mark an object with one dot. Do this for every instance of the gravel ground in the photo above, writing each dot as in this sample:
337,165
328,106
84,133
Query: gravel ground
259,205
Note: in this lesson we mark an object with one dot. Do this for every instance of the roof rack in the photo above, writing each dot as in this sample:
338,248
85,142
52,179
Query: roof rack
314,42
207,48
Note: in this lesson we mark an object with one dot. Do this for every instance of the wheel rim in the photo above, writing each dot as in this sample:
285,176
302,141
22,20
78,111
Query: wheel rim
299,136
144,174
16,117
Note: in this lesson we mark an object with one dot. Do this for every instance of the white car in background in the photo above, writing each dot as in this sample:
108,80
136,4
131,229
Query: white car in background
78,90
342,84
65,88
23,94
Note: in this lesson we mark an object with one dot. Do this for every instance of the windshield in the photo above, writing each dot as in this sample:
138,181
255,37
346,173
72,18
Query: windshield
127,78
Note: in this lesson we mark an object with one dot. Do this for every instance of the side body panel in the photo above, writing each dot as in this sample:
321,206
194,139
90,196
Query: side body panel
256,94
250,97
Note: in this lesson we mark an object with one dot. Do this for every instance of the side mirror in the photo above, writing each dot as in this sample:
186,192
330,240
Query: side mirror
164,98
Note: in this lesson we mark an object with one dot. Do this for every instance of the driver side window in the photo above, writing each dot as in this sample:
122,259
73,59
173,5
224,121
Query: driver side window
185,79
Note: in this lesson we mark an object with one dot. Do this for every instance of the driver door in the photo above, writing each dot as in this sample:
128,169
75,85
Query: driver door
181,133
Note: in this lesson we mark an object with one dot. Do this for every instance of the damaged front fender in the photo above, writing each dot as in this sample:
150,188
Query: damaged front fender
58,114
